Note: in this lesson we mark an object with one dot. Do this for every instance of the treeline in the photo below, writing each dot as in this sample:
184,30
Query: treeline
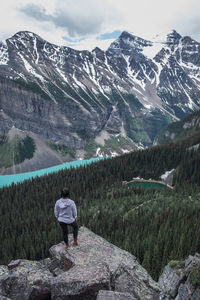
154,232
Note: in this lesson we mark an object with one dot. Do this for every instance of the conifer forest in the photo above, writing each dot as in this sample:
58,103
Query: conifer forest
155,226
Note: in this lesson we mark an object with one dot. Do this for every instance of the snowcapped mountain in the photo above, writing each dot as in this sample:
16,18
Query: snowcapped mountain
110,101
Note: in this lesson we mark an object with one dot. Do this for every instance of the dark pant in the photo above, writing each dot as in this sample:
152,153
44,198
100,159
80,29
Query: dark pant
64,227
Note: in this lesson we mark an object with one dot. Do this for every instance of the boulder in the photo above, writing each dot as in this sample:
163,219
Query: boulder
175,282
4,298
182,293
81,282
170,281
135,281
25,280
187,291
122,265
110,295
91,248
4,272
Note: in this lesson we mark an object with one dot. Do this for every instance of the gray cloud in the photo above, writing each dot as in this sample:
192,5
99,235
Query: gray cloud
35,11
80,20
88,19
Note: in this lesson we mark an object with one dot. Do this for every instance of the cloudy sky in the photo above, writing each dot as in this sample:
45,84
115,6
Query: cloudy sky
85,24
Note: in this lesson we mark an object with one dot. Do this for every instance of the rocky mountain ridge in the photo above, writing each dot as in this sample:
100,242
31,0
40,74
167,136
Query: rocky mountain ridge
82,99
96,269
188,127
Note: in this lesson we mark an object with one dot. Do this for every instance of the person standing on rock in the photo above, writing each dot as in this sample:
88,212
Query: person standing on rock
66,214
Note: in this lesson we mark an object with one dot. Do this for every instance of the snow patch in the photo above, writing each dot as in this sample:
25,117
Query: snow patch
36,52
125,150
78,83
153,49
95,91
98,152
3,54
107,89
157,74
148,106
166,174
132,76
195,147
121,89
114,154
30,69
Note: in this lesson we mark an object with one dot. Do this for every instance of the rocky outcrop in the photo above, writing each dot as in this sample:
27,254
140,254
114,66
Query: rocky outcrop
96,269
126,274
24,279
181,280
81,282
79,273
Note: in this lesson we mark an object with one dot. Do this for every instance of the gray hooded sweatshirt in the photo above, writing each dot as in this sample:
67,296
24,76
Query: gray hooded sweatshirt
65,210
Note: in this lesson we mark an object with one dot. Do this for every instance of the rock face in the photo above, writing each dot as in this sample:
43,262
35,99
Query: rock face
179,130
73,97
79,273
126,274
81,282
25,280
176,283
96,269
110,295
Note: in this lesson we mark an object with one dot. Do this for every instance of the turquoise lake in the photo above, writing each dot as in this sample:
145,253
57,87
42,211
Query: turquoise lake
6,180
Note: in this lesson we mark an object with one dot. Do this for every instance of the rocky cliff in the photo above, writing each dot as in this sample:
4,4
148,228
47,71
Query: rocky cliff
99,102
181,280
96,269
186,128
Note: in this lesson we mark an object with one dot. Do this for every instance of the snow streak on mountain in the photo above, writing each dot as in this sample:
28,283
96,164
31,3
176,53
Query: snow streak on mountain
127,93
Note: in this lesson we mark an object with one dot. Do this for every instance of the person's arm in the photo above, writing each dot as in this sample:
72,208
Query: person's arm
74,211
56,210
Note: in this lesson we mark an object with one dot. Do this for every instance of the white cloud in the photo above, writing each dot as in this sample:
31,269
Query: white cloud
91,43
55,19
147,18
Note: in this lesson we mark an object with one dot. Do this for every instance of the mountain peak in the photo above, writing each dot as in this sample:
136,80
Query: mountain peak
25,35
126,34
97,49
173,37
128,42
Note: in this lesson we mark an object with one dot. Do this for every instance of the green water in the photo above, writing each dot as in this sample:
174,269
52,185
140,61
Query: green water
6,180
147,185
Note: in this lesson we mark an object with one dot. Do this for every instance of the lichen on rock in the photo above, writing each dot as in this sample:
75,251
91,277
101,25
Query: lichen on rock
126,274
111,295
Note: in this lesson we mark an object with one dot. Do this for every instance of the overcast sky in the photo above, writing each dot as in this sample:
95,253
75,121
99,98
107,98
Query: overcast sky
85,24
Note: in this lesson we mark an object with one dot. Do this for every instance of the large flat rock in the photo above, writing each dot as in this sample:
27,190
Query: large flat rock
81,282
25,280
126,274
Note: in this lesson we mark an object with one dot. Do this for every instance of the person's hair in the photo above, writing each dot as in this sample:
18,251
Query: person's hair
65,193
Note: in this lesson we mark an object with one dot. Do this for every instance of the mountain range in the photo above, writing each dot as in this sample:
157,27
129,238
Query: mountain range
75,104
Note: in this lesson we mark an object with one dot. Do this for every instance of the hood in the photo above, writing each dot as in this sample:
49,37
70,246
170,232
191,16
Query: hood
64,203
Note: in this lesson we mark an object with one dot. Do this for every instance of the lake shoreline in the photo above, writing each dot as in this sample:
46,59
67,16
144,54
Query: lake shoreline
7,180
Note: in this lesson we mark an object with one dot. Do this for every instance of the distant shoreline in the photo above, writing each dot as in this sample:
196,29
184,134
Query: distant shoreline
7,180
